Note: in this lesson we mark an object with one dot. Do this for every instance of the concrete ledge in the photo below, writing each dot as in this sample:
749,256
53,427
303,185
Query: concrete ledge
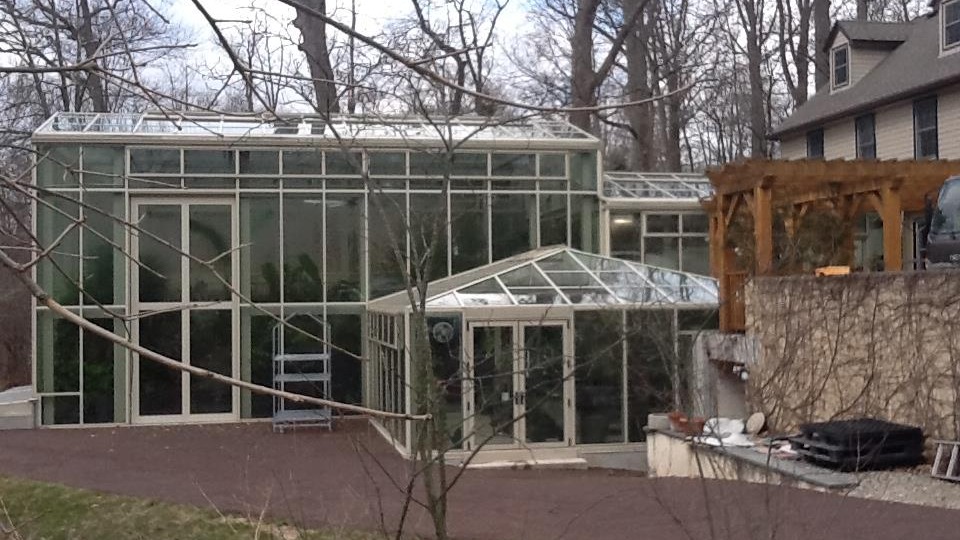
672,454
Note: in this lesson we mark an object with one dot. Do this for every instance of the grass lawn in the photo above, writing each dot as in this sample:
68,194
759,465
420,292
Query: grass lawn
36,510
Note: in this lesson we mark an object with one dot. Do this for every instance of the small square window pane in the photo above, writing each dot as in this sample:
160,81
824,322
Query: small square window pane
553,165
663,252
259,162
695,223
388,163
208,162
303,162
154,161
663,223
513,165
339,162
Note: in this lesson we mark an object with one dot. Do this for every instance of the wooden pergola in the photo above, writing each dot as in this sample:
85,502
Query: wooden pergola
850,188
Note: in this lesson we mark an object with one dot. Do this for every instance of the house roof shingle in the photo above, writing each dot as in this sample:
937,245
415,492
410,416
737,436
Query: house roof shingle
871,31
913,68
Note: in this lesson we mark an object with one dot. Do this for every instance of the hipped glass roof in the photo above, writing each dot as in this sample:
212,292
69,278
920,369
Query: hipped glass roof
656,186
564,276
336,127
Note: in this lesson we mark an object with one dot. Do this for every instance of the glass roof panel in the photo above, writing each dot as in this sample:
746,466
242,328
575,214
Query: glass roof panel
595,262
525,276
538,296
573,279
486,293
563,276
597,296
659,186
559,262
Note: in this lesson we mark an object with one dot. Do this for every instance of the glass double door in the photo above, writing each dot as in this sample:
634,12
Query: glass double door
520,385
184,308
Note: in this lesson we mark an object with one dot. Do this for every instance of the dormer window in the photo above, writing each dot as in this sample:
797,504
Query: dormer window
841,65
950,14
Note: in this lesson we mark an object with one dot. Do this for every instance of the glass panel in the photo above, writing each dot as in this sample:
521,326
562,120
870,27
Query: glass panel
260,254
59,273
585,223
514,224
553,220
661,251
589,296
469,164
256,334
543,390
388,163
344,257
103,263
573,279
428,233
632,288
663,223
160,270
58,355
445,352
559,262
60,410
211,348
583,171
98,376
303,248
208,162
155,183
427,164
697,319
339,162
599,376
210,238
303,162
493,392
485,293
651,368
160,387
603,264
696,223
553,165
102,167
513,165
154,160
346,370
696,255
58,166
537,296
468,214
259,162
525,276
386,273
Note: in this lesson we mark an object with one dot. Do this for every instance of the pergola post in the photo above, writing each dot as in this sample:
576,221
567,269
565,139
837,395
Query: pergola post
892,215
763,225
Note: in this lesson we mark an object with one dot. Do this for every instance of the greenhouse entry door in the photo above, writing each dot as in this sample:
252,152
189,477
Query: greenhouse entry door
521,383
183,309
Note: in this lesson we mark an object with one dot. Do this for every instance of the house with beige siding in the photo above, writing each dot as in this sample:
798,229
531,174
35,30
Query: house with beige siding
894,93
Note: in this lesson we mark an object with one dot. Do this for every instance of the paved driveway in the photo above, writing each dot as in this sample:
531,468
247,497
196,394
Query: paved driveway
316,478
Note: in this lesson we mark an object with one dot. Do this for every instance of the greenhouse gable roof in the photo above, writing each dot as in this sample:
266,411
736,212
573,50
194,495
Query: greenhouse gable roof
563,276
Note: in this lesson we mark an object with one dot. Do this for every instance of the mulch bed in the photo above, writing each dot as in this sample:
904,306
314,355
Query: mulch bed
348,478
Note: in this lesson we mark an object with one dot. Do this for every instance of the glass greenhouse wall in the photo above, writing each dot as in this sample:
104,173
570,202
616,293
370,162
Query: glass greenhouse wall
553,348
305,225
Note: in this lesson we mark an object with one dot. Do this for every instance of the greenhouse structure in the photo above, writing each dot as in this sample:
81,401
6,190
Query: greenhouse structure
197,235
543,354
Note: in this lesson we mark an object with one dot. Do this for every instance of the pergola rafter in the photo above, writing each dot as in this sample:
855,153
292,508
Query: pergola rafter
890,188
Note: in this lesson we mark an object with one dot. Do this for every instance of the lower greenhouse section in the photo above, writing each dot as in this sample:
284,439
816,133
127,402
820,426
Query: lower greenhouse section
83,379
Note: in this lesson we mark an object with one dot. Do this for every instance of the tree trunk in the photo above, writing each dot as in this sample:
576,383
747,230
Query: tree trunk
821,22
91,47
313,32
638,88
582,86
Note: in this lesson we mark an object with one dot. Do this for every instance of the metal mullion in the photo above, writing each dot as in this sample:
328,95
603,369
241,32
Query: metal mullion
185,299
506,290
625,395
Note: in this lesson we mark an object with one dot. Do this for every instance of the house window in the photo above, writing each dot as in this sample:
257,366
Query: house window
815,143
925,128
841,66
950,12
866,137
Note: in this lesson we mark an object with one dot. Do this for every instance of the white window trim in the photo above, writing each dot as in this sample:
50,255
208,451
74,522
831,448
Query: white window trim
944,47
833,67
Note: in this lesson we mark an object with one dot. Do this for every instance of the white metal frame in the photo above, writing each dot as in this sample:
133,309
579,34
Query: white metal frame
518,328
136,306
